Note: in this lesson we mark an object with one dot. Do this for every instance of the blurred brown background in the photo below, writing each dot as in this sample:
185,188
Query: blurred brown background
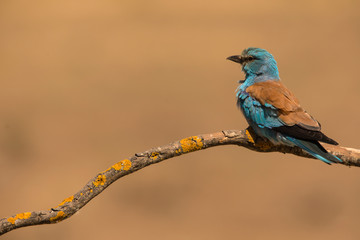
85,84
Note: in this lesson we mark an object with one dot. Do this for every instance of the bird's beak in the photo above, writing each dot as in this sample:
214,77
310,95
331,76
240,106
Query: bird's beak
236,58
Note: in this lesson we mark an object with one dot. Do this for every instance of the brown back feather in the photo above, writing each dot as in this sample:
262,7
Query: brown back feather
290,111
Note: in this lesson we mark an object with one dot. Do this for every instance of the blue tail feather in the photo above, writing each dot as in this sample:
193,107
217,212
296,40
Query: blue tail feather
315,150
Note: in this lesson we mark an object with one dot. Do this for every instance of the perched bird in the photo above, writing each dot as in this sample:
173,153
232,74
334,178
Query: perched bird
273,111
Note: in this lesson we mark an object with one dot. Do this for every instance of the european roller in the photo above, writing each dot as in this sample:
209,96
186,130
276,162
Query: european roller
272,110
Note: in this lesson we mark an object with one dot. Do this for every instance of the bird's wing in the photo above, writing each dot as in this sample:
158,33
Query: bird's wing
294,120
264,116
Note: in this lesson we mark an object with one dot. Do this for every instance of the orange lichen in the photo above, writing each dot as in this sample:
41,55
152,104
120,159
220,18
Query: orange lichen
100,180
191,144
24,215
122,165
59,216
154,155
250,138
66,200
106,170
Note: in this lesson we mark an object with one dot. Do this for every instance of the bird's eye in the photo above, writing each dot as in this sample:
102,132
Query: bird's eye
250,58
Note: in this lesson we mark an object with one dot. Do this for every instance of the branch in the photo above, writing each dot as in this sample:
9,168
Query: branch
244,138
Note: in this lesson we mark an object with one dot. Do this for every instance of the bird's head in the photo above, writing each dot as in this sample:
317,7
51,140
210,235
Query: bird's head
257,62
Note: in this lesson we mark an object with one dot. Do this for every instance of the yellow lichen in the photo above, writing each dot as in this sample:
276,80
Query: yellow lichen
122,165
154,155
250,138
24,215
191,144
59,216
100,180
106,170
66,200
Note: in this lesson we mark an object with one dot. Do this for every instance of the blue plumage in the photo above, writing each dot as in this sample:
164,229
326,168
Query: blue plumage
273,111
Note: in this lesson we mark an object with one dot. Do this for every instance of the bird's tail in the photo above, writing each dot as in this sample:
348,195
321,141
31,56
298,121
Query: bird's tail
315,149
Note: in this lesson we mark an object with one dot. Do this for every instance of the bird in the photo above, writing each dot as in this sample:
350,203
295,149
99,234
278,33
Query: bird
273,111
